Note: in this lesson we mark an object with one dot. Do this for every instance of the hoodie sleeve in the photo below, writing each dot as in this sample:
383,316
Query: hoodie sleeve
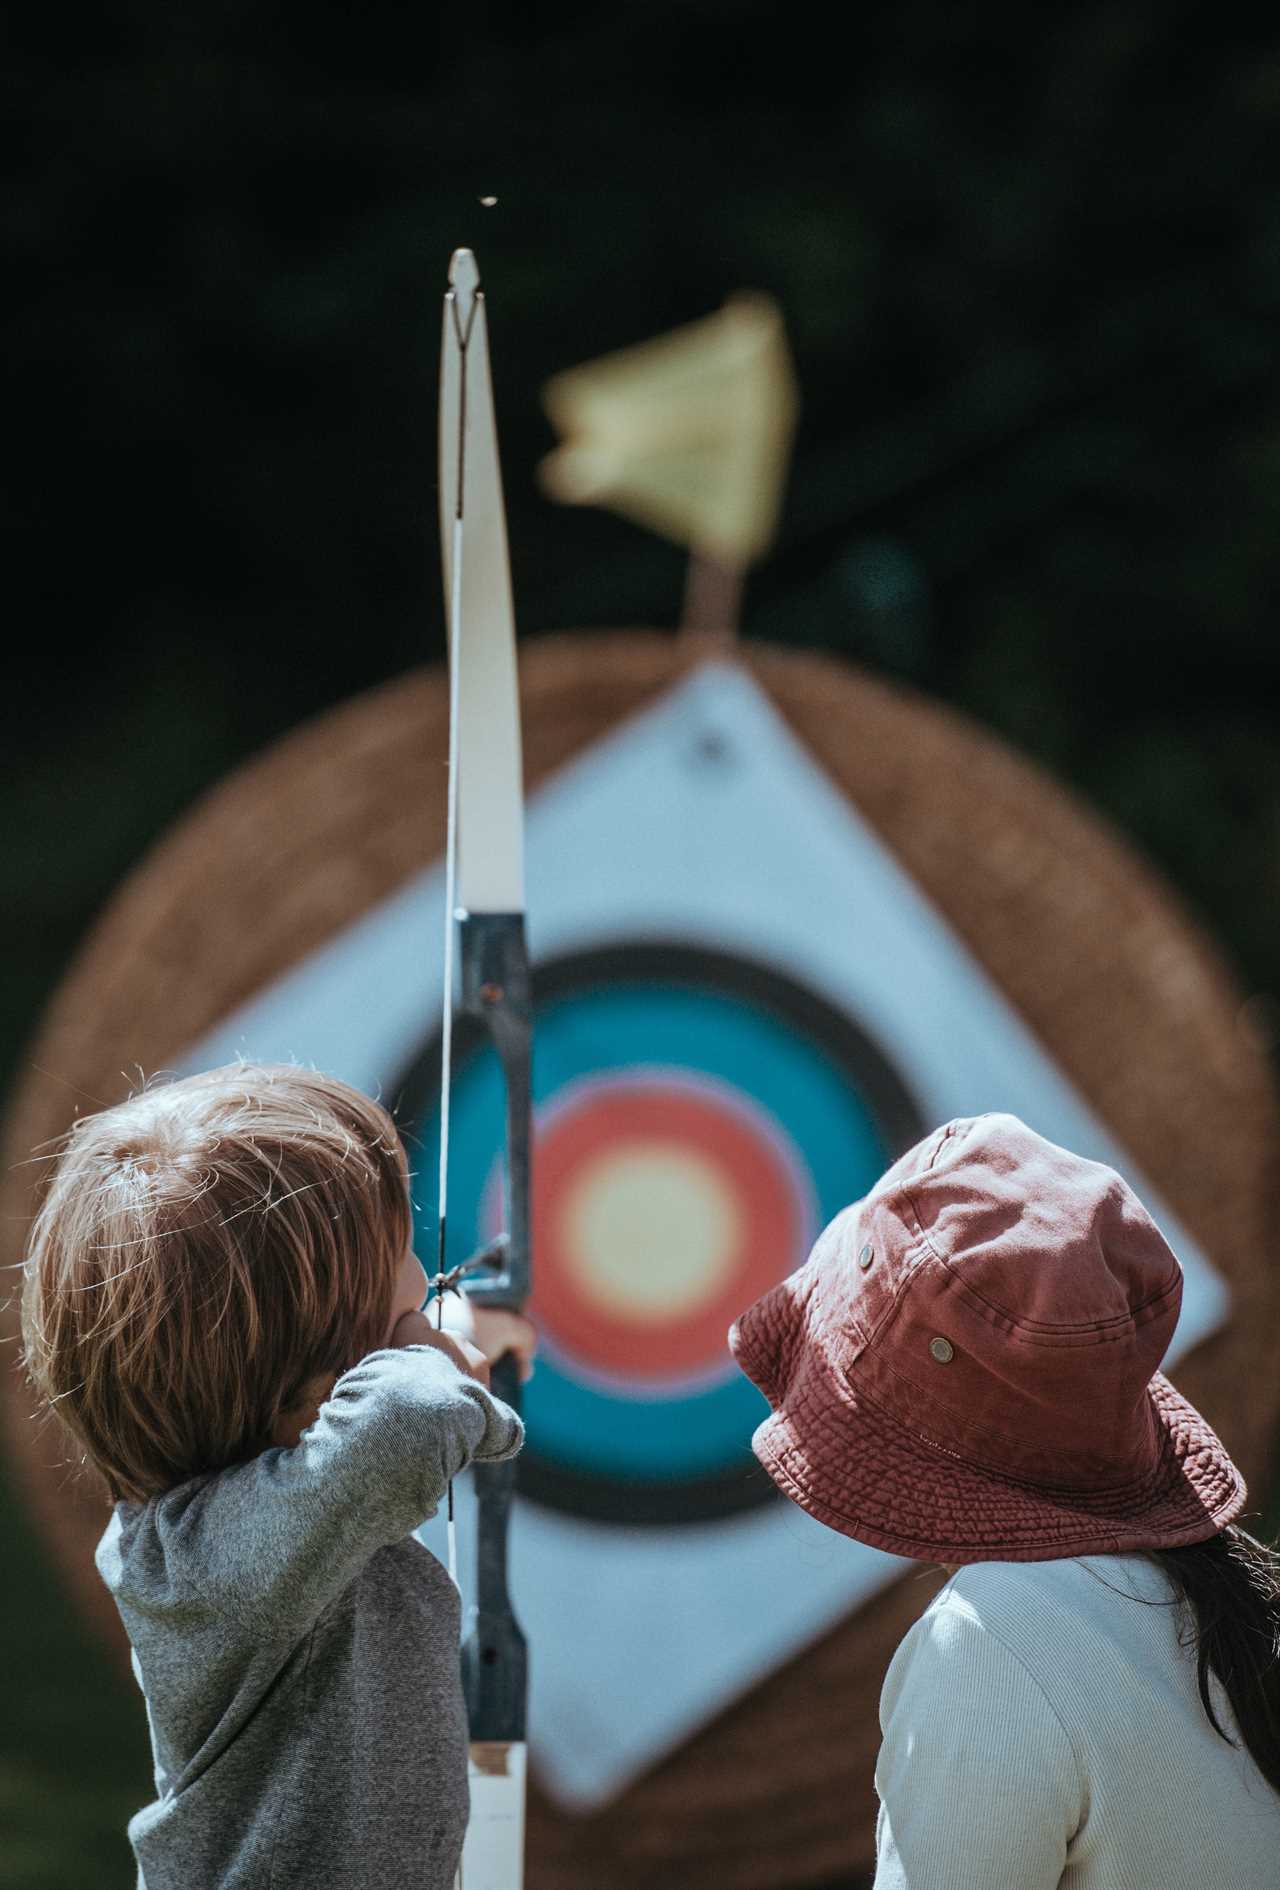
272,1541
978,1781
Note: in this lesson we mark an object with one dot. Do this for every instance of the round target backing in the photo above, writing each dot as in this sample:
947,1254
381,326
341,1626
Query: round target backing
698,1120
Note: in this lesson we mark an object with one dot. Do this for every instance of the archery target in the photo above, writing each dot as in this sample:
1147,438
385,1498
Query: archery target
748,874
745,873
698,1119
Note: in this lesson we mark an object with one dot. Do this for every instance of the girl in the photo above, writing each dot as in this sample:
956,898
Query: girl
965,1372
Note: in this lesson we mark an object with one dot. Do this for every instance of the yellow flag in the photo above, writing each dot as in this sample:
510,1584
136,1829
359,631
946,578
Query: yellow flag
688,435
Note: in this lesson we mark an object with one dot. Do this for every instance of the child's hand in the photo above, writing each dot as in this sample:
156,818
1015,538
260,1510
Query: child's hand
498,1332
414,1328
492,1329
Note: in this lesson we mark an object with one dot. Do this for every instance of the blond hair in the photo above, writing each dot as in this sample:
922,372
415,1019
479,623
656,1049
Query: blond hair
204,1250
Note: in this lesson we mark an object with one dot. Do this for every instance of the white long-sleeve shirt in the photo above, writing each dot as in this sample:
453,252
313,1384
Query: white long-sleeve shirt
1042,1732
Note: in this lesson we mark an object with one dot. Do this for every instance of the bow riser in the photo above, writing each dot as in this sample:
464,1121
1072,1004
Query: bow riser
496,988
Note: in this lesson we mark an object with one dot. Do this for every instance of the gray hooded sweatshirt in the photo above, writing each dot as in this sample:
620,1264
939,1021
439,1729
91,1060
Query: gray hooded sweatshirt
298,1649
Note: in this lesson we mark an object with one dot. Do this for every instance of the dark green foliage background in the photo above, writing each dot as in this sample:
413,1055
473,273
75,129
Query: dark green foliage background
1030,263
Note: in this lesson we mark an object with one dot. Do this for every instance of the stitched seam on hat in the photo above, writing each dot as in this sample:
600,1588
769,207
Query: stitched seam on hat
1041,1332
972,1463
920,1393
1142,1486
1031,1327
875,1327
949,1129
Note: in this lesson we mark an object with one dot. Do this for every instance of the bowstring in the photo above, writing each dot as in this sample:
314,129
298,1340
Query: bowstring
450,896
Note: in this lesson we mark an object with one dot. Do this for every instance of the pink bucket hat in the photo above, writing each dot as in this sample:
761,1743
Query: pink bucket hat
964,1370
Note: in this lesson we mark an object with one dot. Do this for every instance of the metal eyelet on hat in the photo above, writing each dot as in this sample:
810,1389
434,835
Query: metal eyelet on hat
865,1258
943,1350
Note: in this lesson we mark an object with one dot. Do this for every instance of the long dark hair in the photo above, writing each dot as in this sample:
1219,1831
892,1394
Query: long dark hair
1227,1591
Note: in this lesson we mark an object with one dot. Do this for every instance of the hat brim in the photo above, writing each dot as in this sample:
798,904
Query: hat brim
837,1455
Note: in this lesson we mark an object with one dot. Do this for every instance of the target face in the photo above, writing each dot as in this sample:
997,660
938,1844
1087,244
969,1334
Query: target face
698,1120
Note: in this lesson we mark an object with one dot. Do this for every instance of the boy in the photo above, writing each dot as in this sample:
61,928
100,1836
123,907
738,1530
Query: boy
222,1303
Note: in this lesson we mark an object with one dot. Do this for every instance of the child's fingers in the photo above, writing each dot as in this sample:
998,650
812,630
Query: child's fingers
457,1315
415,1329
499,1331
477,1363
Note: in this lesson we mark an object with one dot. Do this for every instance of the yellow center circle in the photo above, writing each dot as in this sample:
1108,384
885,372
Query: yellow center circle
650,1232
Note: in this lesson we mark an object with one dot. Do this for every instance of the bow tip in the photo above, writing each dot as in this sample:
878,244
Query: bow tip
464,272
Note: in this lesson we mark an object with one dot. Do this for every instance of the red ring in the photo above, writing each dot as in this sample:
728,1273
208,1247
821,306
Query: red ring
691,1122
